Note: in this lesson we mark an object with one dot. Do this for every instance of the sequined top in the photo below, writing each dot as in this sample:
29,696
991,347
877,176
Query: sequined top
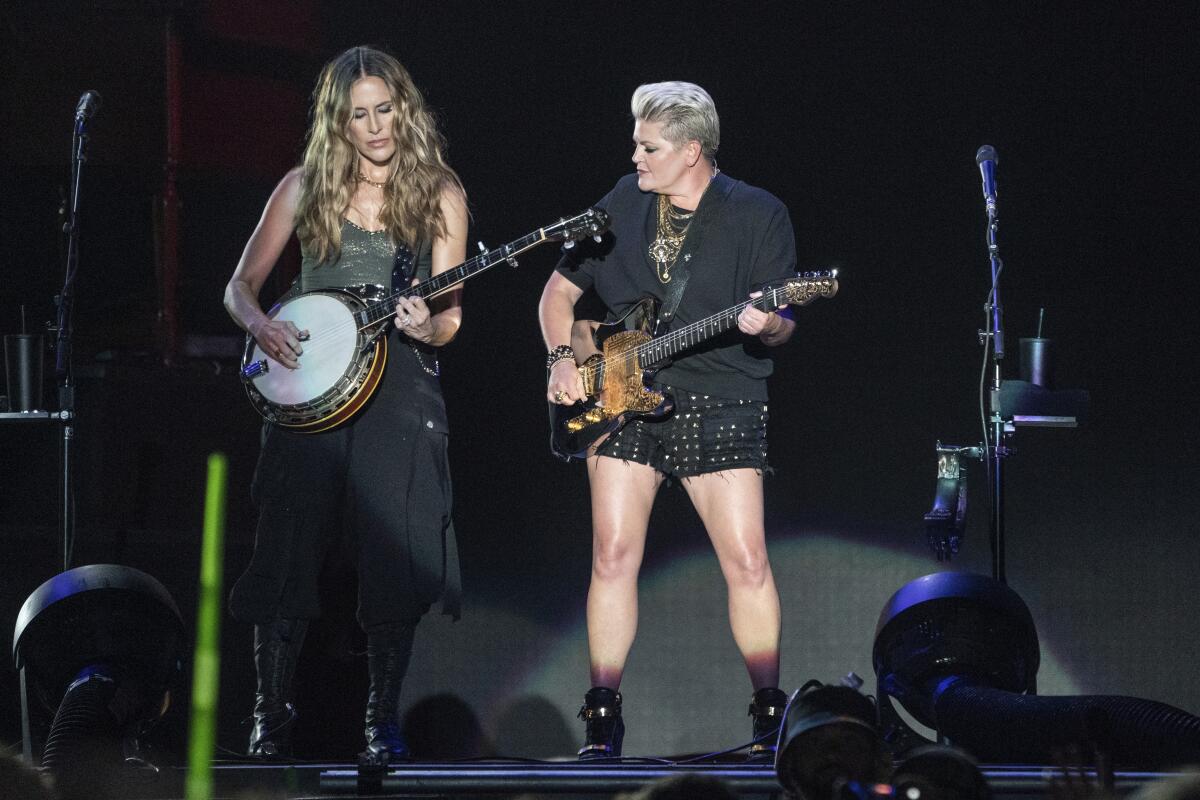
367,257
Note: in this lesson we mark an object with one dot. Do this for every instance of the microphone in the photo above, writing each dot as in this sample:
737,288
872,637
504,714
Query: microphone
88,105
987,160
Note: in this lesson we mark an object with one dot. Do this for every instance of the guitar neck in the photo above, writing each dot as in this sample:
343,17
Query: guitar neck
444,281
800,290
668,345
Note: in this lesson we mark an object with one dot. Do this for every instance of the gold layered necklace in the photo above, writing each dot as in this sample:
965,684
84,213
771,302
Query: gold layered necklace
672,230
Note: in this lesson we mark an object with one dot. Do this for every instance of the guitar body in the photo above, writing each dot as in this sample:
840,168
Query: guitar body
616,382
340,368
619,358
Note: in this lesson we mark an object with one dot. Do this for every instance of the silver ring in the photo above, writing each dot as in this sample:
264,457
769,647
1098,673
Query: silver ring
406,321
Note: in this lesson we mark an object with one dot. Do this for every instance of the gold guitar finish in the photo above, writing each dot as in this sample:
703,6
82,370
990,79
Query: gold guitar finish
620,358
624,386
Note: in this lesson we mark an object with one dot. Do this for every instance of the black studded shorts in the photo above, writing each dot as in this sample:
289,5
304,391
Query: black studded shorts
703,434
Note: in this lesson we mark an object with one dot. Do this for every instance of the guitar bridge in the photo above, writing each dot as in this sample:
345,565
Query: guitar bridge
589,417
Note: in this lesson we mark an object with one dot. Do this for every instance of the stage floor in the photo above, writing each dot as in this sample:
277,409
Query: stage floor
567,779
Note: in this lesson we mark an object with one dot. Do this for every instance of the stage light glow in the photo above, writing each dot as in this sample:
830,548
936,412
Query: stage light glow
832,585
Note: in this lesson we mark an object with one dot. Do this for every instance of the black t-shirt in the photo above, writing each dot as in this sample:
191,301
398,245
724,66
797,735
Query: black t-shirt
745,241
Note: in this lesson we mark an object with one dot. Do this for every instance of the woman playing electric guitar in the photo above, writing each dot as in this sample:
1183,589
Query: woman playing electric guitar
680,216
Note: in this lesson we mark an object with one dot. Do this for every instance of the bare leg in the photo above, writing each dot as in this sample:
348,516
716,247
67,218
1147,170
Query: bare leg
730,503
622,496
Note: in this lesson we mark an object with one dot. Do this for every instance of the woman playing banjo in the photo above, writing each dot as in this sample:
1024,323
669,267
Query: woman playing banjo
373,180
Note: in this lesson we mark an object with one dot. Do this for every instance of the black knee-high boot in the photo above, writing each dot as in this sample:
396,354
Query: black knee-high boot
389,647
276,649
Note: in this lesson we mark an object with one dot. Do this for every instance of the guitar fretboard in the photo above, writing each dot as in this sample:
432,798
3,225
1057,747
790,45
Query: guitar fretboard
663,347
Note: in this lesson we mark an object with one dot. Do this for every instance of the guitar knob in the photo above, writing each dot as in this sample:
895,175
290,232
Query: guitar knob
568,244
482,247
598,238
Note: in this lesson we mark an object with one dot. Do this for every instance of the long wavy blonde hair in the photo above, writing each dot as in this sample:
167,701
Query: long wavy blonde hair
419,174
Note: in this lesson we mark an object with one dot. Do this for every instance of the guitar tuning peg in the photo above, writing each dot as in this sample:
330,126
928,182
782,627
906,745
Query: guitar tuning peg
482,247
598,238
568,244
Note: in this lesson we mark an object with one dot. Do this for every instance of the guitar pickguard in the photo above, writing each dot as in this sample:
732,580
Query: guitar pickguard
620,388
624,385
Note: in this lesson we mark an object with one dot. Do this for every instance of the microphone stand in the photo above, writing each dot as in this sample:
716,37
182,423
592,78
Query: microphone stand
995,450
63,370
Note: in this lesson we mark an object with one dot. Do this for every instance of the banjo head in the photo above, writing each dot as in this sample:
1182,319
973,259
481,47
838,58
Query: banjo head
328,358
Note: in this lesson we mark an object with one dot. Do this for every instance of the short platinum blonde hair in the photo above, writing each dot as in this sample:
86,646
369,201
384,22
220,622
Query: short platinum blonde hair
685,110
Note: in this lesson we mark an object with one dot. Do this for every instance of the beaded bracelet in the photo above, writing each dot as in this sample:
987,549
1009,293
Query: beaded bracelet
560,353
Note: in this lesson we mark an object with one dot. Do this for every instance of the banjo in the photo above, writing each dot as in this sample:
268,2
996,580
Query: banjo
346,349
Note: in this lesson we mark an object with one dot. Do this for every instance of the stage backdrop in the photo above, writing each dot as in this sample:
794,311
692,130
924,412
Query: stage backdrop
864,122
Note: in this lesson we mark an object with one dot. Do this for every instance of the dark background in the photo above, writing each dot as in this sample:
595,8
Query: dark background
862,118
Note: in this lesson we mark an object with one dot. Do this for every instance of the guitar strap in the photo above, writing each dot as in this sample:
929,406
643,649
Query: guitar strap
671,302
402,267
402,276
718,192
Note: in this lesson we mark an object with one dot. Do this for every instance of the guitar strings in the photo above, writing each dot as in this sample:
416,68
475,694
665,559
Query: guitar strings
637,354
641,351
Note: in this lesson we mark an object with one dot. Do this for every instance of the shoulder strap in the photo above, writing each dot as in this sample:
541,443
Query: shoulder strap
666,311
710,204
402,275
402,267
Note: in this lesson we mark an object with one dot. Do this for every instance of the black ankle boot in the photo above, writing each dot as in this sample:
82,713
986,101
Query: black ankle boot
276,649
767,710
605,729
389,647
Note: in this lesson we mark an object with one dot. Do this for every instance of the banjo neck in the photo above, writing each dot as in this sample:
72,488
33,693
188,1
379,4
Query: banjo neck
443,282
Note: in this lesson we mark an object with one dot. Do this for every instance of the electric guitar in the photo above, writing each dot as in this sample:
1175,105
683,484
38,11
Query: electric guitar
346,349
620,358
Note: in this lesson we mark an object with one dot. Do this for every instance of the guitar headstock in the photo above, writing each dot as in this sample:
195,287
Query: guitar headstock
802,289
592,222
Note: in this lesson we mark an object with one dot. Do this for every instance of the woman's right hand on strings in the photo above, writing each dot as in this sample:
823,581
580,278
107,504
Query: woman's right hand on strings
565,386
280,340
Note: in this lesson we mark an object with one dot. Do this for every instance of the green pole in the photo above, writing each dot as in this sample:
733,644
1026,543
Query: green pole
207,659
